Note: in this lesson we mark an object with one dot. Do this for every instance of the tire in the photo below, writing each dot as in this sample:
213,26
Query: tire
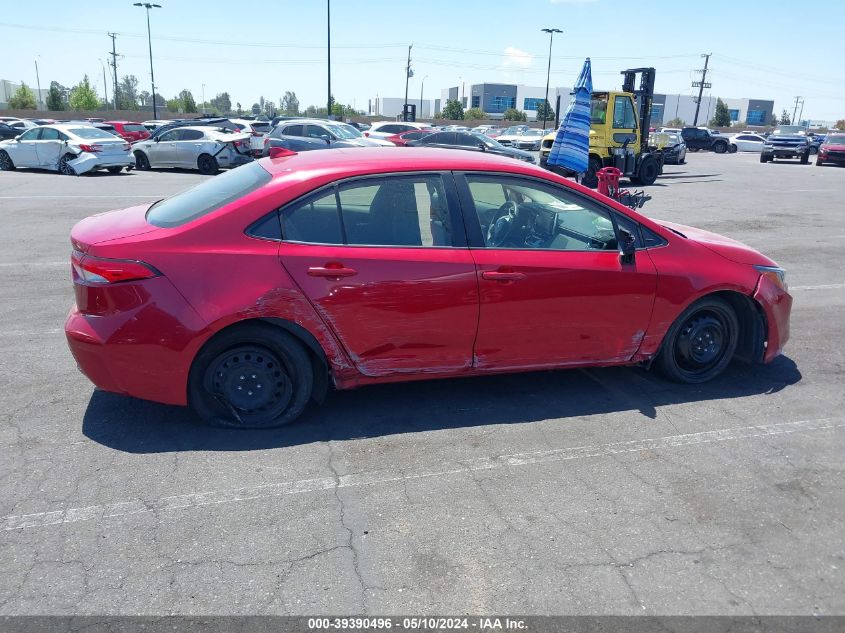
142,163
819,161
227,375
813,150
114,170
207,164
701,342
590,179
764,158
732,149
805,158
648,172
6,163
720,148
64,167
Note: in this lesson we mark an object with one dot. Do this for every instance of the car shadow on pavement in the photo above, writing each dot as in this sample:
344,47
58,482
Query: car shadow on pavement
136,426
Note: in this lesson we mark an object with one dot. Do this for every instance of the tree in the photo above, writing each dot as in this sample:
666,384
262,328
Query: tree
174,105
128,93
840,124
290,104
512,114
240,110
545,106
784,118
454,110
256,108
145,98
54,96
23,99
222,102
475,114
83,97
187,99
721,117
676,122
773,120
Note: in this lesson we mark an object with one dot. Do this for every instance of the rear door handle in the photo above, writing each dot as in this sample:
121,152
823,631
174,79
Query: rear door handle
325,271
494,275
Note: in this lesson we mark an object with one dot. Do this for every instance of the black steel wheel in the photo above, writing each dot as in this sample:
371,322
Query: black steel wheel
207,164
253,376
6,163
701,343
649,170
720,148
64,165
142,163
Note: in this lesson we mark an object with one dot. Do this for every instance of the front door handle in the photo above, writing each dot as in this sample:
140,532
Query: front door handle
496,275
330,271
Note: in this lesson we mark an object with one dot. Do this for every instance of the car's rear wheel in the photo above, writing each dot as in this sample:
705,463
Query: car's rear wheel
733,149
805,158
701,343
207,164
252,376
649,170
115,170
65,166
142,163
6,163
819,161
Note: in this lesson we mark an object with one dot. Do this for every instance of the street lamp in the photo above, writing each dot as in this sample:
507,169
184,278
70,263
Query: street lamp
551,33
105,83
203,98
149,6
422,85
38,82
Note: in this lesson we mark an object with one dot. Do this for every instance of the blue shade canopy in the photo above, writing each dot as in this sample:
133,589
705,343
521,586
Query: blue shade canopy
571,149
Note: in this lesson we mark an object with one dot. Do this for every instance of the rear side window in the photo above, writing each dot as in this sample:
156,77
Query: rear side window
207,196
191,135
134,127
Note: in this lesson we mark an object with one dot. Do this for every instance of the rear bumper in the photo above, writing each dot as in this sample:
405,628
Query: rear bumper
777,306
145,351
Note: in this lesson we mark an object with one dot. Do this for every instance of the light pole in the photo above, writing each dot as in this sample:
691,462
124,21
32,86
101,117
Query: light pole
149,6
329,58
105,83
203,98
422,85
38,83
551,33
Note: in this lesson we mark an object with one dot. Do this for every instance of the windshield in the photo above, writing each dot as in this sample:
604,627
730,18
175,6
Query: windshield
835,139
533,133
207,196
343,131
516,129
90,132
790,129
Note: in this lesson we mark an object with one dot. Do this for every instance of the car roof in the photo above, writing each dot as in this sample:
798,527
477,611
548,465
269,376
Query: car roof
378,160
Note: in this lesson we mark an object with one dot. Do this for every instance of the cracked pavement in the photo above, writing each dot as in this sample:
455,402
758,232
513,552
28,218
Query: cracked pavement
503,494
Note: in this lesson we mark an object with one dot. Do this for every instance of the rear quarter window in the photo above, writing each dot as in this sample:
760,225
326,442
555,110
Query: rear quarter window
207,196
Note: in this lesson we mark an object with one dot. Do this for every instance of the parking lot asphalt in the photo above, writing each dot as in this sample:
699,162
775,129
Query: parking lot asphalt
598,491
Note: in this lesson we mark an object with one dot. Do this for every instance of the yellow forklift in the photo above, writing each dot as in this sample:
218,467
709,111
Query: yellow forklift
619,124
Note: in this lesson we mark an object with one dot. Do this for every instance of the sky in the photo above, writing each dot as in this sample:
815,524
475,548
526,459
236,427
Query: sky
765,50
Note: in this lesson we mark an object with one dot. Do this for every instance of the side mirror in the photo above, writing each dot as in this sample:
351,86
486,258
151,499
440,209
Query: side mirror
326,138
483,147
627,247
157,139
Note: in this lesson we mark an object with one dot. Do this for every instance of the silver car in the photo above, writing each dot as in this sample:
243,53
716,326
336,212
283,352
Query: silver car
69,148
204,148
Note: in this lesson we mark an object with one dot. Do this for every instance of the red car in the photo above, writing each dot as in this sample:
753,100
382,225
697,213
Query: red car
255,291
130,130
832,150
411,135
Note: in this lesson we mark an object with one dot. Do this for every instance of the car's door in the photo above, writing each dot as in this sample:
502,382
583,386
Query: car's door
384,261
189,147
24,152
49,147
554,289
164,152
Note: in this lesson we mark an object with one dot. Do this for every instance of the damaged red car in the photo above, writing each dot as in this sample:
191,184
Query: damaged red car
257,291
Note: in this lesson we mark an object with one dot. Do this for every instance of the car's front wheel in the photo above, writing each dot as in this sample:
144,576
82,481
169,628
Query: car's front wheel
701,342
591,178
805,158
6,163
649,170
733,148
819,161
720,148
764,158
207,164
142,163
252,376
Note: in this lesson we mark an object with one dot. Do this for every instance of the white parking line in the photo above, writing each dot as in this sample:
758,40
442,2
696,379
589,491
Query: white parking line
372,478
819,287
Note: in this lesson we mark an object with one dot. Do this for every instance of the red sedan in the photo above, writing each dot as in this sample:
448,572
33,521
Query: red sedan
130,130
832,150
403,138
255,291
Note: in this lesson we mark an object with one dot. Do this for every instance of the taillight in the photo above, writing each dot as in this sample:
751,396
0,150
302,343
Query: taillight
98,270
266,141
91,148
366,133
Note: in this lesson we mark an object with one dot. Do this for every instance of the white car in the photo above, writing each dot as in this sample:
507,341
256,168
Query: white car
258,131
383,129
528,140
747,142
670,130
512,134
330,131
71,149
195,147
21,124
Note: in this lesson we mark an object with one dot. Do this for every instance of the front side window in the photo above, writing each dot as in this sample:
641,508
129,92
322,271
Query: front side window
392,211
315,131
522,214
30,135
623,113
49,134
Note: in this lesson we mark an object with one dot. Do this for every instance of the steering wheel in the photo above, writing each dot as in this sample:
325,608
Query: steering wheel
500,228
